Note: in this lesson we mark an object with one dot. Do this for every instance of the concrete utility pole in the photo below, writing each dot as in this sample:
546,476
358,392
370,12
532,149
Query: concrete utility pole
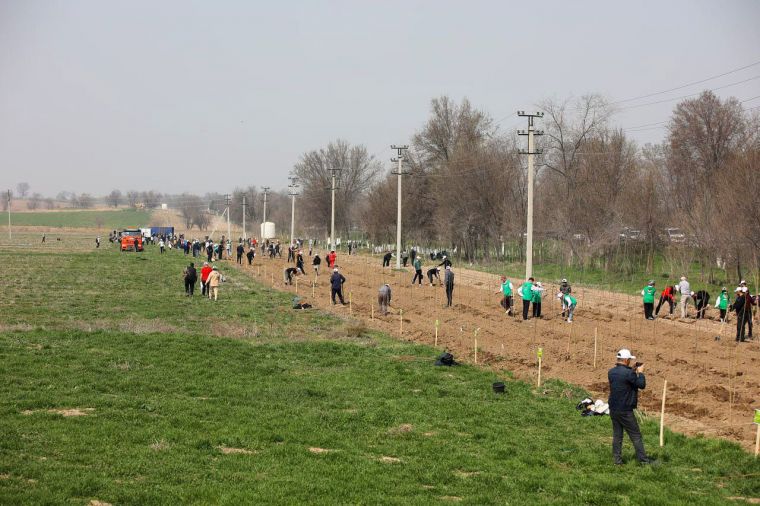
266,192
245,237
229,230
530,152
399,159
10,234
292,191
333,171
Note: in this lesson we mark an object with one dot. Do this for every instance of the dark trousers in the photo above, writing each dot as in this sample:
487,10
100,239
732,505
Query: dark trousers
722,315
338,292
661,302
386,262
417,275
203,288
431,276
208,256
404,260
701,308
648,308
626,421
526,307
189,286
506,303
240,258
250,259
537,310
742,321
449,294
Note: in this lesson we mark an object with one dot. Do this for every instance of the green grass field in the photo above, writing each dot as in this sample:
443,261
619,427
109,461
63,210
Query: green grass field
107,220
246,401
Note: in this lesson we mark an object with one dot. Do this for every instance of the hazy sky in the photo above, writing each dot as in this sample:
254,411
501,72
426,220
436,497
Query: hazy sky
206,96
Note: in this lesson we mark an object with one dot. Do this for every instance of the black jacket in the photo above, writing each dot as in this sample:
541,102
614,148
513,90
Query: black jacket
191,274
624,387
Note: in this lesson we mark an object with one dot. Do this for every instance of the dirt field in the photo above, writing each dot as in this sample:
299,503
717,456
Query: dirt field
713,385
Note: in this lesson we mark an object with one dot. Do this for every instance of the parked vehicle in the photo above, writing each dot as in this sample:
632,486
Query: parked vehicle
675,235
131,240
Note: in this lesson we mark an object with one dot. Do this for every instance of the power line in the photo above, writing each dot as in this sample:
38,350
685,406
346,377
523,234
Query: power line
689,95
686,85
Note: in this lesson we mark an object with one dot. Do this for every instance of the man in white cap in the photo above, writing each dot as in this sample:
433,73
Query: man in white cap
625,382
336,286
685,288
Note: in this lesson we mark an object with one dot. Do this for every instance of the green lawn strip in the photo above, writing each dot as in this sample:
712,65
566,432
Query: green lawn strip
107,219
167,400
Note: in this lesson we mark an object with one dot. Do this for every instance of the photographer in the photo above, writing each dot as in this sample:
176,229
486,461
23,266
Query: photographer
625,382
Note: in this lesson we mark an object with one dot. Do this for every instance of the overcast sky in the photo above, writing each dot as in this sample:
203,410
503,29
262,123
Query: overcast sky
206,96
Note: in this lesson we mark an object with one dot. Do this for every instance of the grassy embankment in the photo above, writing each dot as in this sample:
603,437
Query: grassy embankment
248,401
107,220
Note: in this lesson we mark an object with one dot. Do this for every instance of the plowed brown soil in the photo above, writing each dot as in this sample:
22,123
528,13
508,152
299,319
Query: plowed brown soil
713,384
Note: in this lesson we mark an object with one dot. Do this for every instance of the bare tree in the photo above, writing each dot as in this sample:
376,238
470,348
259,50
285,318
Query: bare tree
34,201
357,170
22,189
114,198
132,198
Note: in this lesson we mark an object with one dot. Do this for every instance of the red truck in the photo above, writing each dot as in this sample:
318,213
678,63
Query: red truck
131,240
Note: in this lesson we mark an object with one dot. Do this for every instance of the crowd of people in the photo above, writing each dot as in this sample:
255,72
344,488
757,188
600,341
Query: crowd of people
742,304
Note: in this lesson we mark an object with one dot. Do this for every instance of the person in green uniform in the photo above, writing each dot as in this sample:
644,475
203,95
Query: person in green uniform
569,302
648,294
722,304
526,292
417,263
505,289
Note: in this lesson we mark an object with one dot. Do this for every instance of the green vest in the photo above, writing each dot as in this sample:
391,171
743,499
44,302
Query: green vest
649,292
417,264
536,296
525,292
570,300
505,289
722,302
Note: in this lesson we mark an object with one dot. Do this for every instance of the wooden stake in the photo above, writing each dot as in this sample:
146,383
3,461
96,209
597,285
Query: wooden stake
757,441
296,286
436,333
401,321
662,414
371,311
596,331
350,306
540,355
312,289
476,344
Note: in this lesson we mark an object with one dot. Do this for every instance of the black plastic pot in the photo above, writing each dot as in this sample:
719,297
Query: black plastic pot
498,387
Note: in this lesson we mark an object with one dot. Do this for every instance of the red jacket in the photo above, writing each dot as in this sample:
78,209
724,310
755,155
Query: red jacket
205,272
331,258
667,294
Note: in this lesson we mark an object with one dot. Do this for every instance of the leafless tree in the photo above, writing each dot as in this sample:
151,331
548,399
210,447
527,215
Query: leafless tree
22,189
34,201
356,171
114,198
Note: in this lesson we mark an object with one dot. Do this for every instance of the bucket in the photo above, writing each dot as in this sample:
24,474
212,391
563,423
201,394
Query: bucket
498,387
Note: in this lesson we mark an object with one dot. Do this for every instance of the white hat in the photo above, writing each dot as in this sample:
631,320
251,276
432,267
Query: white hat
744,289
564,280
624,354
